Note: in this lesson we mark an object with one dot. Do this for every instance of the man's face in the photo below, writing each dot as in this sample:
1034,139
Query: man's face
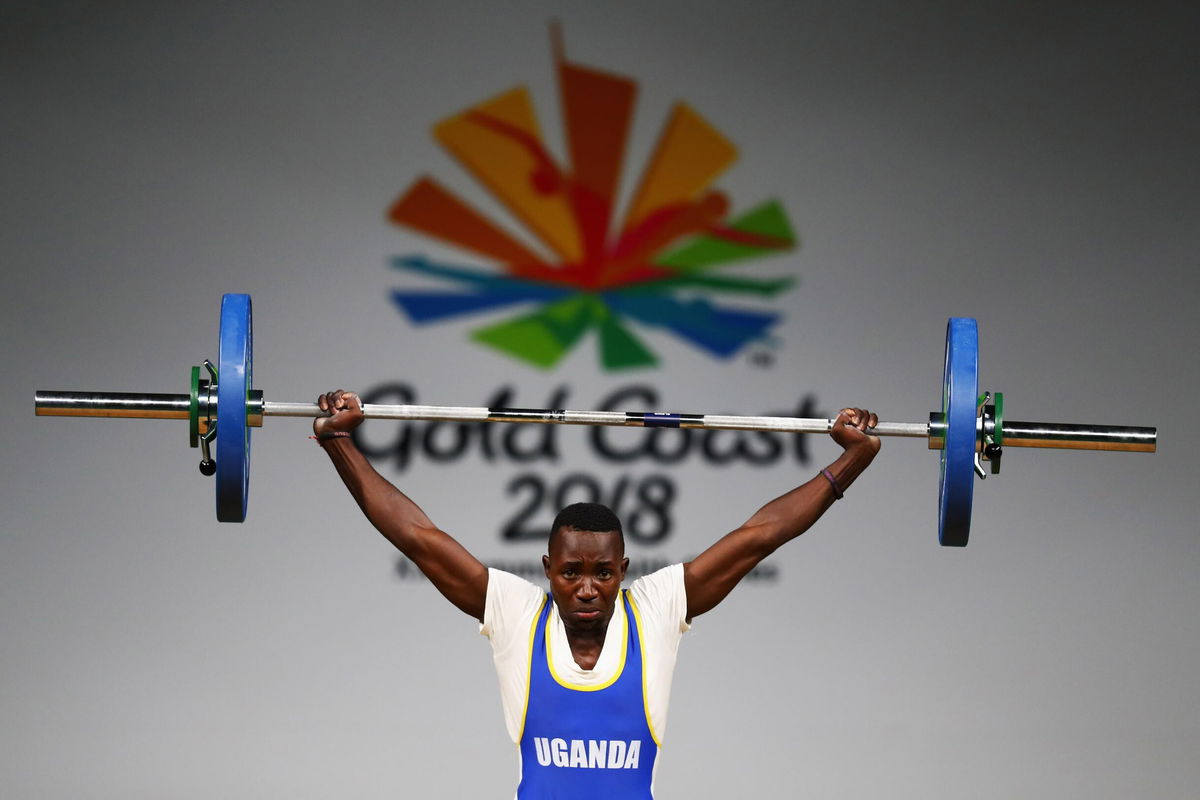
585,569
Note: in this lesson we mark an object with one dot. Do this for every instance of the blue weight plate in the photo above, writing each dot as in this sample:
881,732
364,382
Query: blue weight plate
960,386
233,387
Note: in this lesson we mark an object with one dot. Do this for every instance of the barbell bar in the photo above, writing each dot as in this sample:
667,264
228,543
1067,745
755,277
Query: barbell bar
969,430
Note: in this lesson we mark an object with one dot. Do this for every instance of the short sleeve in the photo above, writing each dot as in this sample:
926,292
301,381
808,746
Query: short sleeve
663,599
511,601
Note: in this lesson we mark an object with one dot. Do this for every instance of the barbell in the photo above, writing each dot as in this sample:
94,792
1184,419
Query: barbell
969,430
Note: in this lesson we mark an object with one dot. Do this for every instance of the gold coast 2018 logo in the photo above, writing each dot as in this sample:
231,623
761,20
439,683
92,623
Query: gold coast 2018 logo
659,266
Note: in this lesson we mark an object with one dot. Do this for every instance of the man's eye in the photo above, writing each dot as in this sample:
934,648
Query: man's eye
606,574
569,573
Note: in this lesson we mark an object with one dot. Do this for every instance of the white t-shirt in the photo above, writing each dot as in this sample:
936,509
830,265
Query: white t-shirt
513,604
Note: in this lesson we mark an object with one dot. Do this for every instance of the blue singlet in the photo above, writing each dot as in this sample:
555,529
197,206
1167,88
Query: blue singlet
587,742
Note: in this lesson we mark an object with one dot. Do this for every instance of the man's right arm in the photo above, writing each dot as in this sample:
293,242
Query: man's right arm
456,573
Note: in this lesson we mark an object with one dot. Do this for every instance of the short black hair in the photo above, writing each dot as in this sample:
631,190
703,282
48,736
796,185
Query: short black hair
587,517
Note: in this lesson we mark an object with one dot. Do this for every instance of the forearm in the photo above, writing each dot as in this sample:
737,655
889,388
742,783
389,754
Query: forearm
391,511
712,575
790,515
457,574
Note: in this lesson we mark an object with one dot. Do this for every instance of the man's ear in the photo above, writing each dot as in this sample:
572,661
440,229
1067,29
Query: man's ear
546,566
624,567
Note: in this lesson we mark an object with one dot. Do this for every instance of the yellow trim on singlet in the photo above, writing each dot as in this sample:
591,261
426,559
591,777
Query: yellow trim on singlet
637,620
529,673
578,687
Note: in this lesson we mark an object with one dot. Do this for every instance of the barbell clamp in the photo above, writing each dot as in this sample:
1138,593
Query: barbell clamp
981,433
208,467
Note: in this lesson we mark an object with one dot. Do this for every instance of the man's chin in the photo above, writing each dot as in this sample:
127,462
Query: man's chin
587,620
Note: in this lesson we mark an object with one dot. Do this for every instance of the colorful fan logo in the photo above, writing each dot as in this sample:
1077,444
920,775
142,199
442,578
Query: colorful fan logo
657,268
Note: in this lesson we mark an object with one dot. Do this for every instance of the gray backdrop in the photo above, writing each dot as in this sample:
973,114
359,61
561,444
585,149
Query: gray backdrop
1033,167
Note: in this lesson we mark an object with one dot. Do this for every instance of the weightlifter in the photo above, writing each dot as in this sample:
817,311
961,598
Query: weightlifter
585,670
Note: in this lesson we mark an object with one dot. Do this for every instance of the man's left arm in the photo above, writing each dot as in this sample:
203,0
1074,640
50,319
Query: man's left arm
711,576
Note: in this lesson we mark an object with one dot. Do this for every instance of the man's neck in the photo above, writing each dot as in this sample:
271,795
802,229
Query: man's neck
586,646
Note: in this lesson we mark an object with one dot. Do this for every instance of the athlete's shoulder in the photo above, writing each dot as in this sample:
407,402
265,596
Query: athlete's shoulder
669,579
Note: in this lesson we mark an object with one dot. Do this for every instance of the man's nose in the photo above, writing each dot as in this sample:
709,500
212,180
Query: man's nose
587,590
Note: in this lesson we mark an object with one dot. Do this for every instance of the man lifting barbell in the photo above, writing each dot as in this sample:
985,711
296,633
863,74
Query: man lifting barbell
585,670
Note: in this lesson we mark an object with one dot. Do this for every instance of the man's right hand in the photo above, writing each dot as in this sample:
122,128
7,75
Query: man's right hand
344,409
